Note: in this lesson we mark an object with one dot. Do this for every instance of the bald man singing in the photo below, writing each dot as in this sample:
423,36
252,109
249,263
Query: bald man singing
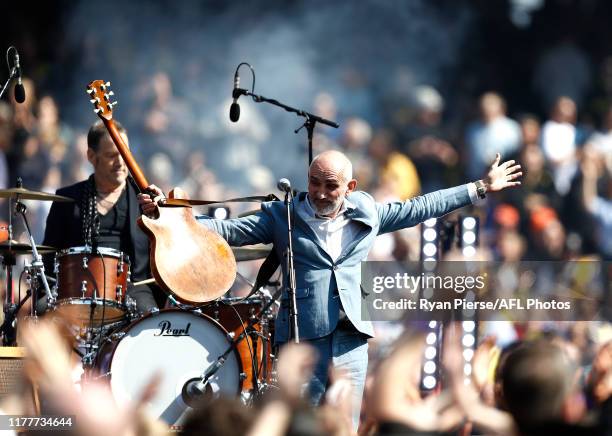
335,227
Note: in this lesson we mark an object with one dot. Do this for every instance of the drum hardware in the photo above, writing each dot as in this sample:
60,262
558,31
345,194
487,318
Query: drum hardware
119,292
197,388
131,308
182,306
261,375
9,249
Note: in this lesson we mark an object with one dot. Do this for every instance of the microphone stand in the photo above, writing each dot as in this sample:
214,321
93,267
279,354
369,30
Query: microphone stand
291,288
310,119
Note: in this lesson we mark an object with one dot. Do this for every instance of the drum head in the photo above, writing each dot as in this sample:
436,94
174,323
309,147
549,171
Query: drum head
179,346
79,311
101,251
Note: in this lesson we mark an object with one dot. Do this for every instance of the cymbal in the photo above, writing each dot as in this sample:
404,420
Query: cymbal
26,194
251,253
17,248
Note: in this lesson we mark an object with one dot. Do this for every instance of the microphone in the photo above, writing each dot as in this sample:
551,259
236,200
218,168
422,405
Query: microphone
19,89
194,392
234,113
284,185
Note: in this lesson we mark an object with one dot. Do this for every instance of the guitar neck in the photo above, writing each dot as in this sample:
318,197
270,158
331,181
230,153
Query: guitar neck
126,154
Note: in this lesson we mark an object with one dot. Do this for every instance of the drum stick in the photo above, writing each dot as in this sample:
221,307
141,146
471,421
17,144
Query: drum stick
144,282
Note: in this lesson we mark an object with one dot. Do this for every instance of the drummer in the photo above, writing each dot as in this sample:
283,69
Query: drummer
104,214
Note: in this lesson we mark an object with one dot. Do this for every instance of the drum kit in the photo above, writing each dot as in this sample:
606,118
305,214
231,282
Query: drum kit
203,350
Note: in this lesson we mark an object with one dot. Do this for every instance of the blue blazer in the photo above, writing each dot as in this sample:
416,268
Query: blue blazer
322,283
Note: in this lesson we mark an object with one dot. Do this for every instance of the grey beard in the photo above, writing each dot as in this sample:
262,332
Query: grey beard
328,209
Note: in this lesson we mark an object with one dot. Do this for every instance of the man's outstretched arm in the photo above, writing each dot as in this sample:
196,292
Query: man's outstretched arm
398,215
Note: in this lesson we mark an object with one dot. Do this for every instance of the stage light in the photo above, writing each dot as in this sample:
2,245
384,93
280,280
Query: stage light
430,234
430,254
430,249
429,367
467,369
468,326
468,340
429,263
469,237
219,213
469,251
431,222
468,232
429,240
429,382
431,338
469,223
430,353
468,354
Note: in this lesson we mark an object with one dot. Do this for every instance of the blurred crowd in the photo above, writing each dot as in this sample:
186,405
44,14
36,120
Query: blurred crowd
542,385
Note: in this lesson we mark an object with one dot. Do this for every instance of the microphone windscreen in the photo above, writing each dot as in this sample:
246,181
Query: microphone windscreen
234,112
19,93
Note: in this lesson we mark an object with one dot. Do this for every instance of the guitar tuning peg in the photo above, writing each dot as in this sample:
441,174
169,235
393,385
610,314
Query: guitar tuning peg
111,93
112,104
98,110
90,91
94,100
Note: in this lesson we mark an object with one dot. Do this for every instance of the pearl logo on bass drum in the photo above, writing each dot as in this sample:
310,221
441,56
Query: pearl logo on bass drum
165,329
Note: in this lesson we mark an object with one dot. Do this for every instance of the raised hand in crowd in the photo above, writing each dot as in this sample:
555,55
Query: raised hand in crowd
396,400
465,395
600,377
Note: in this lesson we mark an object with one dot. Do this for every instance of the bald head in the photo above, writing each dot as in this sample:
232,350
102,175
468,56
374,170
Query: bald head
330,180
333,161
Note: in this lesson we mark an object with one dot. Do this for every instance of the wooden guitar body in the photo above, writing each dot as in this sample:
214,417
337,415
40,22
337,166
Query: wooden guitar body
178,262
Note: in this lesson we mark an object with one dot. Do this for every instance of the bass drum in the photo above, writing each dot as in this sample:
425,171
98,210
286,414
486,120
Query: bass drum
176,344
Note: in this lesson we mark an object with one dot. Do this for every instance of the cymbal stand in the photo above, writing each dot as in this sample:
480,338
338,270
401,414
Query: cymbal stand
37,265
10,309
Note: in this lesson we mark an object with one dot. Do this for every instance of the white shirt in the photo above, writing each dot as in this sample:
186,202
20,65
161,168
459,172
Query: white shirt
332,233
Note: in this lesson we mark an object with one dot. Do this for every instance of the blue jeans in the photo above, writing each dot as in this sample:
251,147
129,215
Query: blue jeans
346,349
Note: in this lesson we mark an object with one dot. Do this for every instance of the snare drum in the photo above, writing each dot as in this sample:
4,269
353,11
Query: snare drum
180,346
91,287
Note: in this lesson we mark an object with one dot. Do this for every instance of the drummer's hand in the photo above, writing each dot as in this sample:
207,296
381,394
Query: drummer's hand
148,204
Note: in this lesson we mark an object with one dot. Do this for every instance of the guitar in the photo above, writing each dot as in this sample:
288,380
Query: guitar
188,260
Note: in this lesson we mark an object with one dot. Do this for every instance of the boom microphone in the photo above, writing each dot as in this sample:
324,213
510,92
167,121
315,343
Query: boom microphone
19,89
234,113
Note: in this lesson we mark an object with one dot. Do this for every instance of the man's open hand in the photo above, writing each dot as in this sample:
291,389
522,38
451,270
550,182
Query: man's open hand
502,176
